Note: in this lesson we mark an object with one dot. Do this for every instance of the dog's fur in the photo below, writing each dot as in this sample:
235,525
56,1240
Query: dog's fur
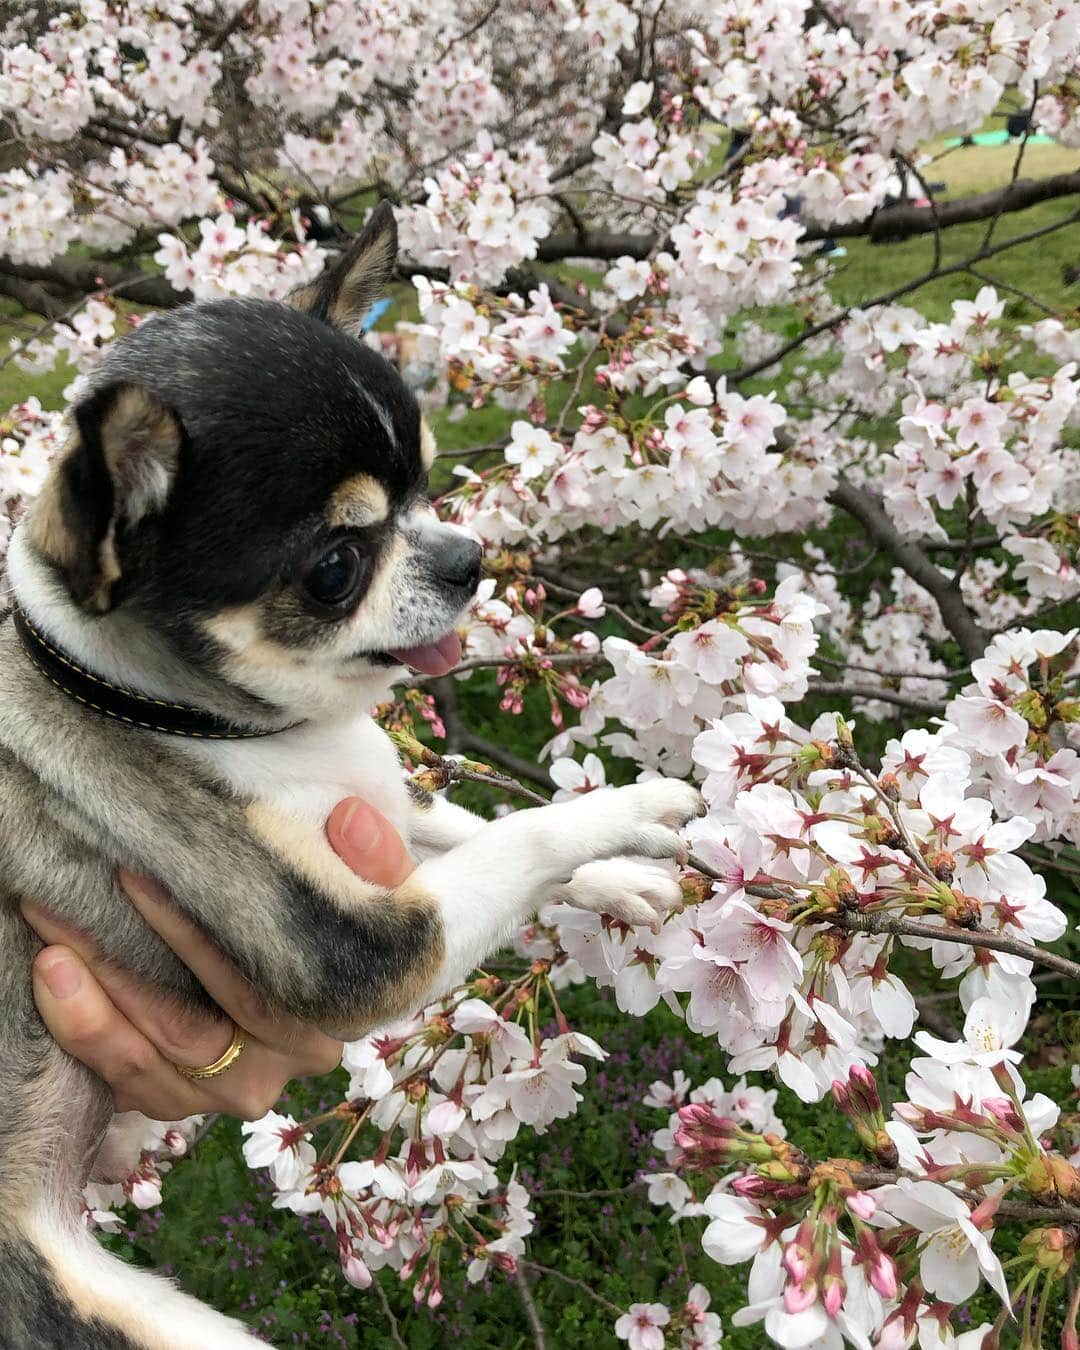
219,452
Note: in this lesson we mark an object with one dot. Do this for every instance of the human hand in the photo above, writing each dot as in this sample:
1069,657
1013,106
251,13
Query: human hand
132,1036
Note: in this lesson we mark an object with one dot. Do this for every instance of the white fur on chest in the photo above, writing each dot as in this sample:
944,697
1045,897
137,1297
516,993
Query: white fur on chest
305,772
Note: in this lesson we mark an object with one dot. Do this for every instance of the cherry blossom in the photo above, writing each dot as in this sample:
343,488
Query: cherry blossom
740,527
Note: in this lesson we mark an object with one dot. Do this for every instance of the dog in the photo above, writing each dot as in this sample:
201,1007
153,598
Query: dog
230,562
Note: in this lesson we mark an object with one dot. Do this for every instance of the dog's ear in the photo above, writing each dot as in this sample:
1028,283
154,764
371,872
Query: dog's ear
347,289
119,469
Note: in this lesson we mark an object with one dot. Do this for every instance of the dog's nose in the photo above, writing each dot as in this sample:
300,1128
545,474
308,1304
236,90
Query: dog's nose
457,562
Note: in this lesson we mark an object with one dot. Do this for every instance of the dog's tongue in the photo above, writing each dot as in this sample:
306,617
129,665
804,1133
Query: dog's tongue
434,658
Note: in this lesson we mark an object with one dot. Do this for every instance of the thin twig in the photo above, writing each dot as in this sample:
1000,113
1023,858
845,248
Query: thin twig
462,37
886,298
1000,285
605,1193
868,691
531,1315
936,1021
558,660
943,675
870,922
928,194
1018,160
1059,1211
522,768
391,1319
873,922
578,1284
1043,612
458,773
204,1129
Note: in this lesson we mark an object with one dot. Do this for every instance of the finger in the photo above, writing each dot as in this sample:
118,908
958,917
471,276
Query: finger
366,841
87,1024
184,1033
303,1047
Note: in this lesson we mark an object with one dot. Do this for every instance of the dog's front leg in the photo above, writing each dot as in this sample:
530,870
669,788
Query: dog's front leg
495,880
437,825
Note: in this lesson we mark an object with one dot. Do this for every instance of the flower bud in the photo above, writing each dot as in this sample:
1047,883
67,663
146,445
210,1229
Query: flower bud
1066,1178
860,1079
799,1297
882,1271
1051,1249
982,1216
795,1262
1004,1112
504,1261
842,1097
890,786
861,1204
1031,708
355,1271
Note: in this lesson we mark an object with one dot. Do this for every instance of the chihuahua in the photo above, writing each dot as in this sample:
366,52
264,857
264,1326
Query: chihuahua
231,561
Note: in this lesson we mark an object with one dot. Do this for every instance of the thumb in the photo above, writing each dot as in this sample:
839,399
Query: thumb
366,841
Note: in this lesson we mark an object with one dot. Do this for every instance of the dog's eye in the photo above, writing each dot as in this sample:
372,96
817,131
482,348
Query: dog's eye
338,576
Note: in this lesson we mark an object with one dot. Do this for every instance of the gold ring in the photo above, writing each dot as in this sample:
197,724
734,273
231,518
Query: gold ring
231,1055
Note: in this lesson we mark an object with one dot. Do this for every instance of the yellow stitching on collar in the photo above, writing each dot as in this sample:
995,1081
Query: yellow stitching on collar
119,717
96,679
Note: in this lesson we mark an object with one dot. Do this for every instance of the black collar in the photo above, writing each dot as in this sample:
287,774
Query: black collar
125,705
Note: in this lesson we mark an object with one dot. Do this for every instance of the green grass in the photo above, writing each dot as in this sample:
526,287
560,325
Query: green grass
970,169
15,384
1036,267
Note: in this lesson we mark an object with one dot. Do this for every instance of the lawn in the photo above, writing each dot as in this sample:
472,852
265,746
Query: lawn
218,1232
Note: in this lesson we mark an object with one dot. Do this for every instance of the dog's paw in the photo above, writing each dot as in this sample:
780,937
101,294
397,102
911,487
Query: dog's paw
633,892
644,819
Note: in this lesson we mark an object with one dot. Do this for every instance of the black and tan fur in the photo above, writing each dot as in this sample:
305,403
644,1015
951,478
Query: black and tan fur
221,455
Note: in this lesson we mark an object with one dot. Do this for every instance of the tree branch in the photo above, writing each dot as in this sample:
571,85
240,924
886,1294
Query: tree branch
870,922
1058,1212
32,297
473,28
1033,1212
79,274
957,618
557,247
578,1284
891,224
559,660
524,768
